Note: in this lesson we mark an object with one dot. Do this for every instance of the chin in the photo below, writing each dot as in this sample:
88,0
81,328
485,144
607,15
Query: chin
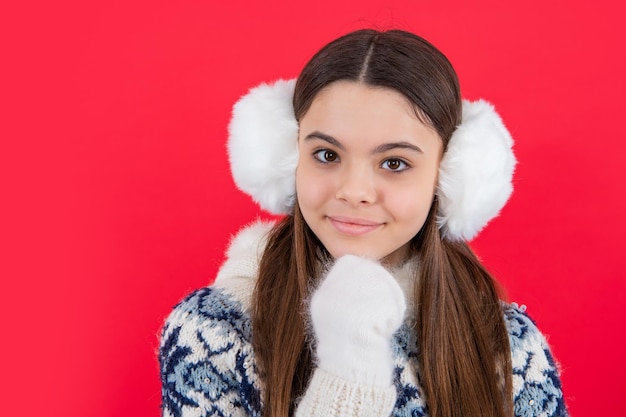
362,252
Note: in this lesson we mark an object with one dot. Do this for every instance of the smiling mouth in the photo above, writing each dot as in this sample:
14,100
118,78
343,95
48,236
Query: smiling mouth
353,227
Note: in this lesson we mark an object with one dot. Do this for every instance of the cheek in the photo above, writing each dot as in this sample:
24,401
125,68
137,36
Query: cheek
411,206
310,189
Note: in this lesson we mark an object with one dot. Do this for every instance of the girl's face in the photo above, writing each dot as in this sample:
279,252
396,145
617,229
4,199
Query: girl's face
367,171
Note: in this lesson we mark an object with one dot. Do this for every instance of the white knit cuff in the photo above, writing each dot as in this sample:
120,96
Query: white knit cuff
331,396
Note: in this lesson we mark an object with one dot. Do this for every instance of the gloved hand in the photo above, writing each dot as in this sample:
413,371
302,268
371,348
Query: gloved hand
354,312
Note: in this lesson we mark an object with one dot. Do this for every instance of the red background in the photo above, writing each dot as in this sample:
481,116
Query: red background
117,198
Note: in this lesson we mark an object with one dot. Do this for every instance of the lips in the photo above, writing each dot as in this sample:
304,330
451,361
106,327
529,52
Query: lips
353,226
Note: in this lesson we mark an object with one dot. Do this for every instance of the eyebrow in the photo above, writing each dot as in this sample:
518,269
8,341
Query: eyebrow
379,149
397,145
326,138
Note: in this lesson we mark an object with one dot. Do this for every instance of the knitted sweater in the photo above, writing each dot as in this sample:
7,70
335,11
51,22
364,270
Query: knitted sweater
208,366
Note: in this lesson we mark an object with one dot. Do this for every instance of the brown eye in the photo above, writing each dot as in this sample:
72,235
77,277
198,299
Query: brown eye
395,165
325,156
330,156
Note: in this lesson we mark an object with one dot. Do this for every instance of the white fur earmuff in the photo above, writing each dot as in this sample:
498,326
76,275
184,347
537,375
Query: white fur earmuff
263,146
475,175
476,172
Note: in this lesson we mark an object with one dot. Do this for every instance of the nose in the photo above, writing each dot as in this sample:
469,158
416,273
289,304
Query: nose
357,186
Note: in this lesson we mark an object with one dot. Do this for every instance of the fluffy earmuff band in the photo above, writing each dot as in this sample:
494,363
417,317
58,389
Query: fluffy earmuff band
475,174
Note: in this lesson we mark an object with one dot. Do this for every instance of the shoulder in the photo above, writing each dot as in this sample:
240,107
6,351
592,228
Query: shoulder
237,275
524,337
536,382
205,309
208,323
206,356
215,321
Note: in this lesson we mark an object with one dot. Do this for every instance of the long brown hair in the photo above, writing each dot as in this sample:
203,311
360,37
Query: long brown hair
465,364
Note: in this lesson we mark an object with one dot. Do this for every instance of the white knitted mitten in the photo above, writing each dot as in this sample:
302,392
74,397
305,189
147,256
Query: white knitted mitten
354,313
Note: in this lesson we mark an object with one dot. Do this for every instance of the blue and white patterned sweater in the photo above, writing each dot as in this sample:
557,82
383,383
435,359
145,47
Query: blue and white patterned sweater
208,365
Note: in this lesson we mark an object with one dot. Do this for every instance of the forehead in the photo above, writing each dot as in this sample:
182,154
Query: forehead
361,96
348,109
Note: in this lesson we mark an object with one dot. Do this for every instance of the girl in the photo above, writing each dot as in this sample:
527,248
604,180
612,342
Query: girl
365,299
